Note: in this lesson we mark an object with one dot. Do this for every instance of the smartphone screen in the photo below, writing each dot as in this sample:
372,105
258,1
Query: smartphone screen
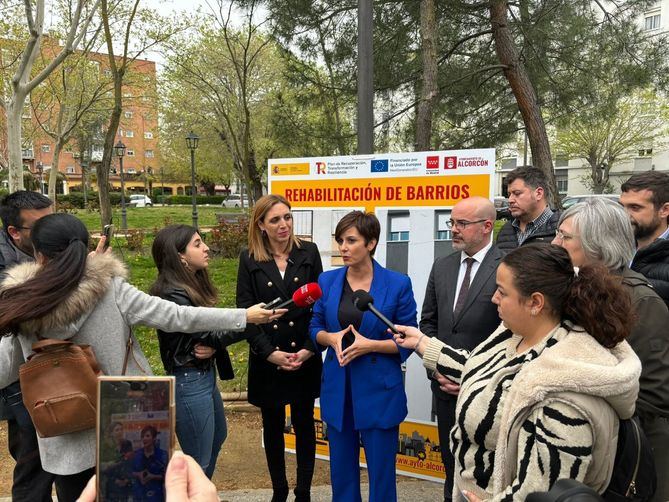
108,232
135,437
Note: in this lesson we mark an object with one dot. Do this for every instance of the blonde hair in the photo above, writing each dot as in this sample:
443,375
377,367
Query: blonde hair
259,245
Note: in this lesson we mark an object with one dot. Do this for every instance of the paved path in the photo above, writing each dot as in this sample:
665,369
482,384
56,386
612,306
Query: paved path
407,490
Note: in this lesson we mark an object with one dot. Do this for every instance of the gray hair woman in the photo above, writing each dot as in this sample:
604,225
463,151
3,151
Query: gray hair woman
599,231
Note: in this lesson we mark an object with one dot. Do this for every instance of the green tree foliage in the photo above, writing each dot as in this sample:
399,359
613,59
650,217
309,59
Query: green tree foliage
604,137
227,84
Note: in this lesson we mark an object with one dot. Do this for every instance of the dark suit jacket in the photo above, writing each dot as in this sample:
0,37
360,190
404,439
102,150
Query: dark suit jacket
262,282
477,319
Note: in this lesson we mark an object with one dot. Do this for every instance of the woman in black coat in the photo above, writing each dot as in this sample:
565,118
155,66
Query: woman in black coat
284,365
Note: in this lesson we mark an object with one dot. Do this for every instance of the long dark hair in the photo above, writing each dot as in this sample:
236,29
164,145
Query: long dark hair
592,297
169,242
63,240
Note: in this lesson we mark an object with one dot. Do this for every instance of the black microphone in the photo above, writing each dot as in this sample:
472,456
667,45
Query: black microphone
363,301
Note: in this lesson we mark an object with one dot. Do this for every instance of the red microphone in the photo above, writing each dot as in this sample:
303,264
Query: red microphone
306,296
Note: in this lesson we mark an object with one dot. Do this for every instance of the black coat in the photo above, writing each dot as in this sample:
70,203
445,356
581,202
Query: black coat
507,241
262,282
653,262
478,317
177,349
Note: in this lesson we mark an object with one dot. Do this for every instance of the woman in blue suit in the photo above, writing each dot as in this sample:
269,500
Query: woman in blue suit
362,393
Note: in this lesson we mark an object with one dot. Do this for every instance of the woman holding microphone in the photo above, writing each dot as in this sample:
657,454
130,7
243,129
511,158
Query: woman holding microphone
362,394
284,367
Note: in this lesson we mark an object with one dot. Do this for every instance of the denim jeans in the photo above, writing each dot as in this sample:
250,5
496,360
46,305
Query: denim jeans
201,427
31,483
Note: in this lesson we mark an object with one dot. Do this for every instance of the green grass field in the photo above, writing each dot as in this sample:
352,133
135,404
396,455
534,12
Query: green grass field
149,218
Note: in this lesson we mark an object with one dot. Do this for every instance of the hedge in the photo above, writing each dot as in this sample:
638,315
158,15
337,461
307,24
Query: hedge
200,199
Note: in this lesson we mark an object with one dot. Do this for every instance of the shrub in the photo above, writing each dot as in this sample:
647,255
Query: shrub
227,239
135,240
200,199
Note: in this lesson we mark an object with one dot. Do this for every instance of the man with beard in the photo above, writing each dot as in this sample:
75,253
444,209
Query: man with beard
533,220
458,308
645,197
19,212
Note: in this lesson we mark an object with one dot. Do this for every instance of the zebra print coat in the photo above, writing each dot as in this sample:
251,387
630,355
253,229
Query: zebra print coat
525,420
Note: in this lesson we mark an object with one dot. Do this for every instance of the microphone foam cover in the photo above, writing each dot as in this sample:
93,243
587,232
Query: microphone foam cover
362,299
307,294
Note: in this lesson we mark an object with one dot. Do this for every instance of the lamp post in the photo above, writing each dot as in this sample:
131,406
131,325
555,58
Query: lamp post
85,159
40,170
192,140
119,150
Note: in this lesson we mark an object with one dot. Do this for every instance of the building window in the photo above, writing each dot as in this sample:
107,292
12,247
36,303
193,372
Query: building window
442,233
398,227
652,22
130,153
645,152
562,181
509,164
129,134
108,72
148,135
336,216
127,115
127,94
69,170
561,160
46,148
148,154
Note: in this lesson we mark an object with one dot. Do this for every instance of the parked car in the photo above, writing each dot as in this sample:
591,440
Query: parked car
235,200
570,200
140,201
502,208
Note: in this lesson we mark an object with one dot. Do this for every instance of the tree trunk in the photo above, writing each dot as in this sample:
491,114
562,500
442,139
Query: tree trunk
53,173
525,95
430,89
254,184
14,147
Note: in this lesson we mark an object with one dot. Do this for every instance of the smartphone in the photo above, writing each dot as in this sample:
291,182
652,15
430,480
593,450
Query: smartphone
273,303
108,232
135,437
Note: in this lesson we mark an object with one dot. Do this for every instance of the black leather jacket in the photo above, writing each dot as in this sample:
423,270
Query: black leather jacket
177,349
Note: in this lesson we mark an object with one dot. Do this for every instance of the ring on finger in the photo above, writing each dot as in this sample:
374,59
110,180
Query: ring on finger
273,311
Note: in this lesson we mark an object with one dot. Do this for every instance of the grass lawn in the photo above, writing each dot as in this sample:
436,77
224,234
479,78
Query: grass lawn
149,218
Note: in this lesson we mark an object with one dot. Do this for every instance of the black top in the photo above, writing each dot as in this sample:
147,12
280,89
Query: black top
177,349
348,313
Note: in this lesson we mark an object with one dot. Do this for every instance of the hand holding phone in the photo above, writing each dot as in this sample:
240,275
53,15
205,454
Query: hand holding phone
108,233
135,436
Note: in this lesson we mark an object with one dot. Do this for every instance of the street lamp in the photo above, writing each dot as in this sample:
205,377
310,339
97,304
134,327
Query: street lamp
85,160
191,141
40,170
119,150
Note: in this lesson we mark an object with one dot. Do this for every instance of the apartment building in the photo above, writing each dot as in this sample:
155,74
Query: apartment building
570,172
138,130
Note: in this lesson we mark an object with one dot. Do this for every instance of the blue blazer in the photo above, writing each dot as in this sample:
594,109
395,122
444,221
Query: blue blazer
377,392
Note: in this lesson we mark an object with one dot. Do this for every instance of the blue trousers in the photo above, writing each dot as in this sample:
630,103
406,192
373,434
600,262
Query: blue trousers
380,450
201,427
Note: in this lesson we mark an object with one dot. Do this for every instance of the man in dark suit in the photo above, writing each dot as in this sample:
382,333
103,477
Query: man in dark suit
458,308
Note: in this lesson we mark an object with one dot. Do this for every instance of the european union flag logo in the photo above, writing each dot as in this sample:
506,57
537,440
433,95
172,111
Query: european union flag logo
380,166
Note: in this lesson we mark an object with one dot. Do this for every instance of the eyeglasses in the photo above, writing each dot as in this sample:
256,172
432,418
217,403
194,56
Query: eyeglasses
559,234
462,224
